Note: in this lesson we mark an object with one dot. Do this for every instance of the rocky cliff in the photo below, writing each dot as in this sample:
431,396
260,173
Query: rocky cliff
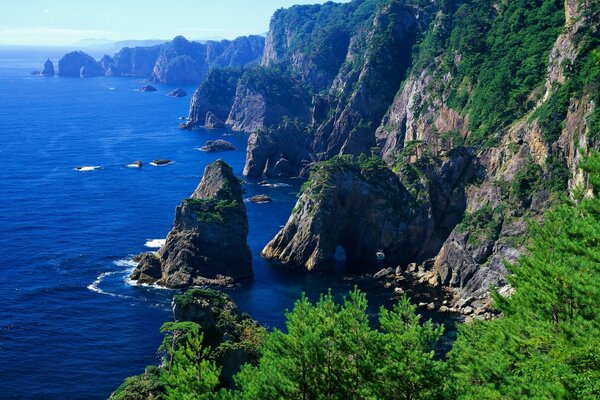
362,206
79,64
522,109
207,245
174,62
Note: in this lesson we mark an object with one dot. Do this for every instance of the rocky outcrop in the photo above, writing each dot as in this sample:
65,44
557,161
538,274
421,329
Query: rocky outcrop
48,68
364,207
226,330
148,88
207,245
137,61
79,64
180,61
215,95
278,152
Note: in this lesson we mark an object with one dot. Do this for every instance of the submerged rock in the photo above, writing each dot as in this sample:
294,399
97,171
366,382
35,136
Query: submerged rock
207,245
217,145
48,68
177,93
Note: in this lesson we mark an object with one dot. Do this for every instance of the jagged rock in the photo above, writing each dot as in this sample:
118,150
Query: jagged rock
138,61
217,145
278,152
79,64
213,122
48,68
215,94
106,63
177,93
360,210
207,245
260,198
148,88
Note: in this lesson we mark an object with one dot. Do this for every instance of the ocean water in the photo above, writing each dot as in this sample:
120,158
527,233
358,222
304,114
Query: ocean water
71,326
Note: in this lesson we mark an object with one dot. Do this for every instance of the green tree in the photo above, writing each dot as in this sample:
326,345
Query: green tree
545,345
188,374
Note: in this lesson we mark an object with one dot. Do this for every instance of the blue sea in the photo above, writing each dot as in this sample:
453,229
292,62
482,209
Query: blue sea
71,326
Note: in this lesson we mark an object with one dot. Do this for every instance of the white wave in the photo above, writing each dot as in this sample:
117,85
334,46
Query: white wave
276,185
95,286
155,243
134,165
86,168
125,262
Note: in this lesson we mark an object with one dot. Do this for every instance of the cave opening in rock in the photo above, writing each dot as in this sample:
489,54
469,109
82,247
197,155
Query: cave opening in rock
340,259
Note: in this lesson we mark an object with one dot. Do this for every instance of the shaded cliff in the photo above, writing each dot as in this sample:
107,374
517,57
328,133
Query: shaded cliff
207,245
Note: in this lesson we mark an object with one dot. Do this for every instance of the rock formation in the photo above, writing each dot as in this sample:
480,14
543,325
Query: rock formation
48,68
207,245
148,88
362,206
213,122
79,64
217,145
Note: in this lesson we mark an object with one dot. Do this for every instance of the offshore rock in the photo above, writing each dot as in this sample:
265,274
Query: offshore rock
207,245
177,93
48,68
217,145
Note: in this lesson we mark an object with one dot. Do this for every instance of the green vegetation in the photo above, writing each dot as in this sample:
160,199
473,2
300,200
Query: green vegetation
321,33
482,225
212,211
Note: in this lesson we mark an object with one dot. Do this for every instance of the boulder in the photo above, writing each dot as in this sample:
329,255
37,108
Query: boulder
207,245
148,88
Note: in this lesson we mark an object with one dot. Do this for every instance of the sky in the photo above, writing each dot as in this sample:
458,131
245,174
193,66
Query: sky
66,22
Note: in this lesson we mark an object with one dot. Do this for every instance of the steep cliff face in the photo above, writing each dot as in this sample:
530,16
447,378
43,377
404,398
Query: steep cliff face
207,244
362,206
137,61
263,98
278,152
180,61
79,64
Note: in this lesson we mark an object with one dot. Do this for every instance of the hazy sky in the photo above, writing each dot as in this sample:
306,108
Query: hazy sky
65,22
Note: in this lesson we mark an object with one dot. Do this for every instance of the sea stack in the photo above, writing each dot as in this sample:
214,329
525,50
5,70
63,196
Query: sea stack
207,245
48,68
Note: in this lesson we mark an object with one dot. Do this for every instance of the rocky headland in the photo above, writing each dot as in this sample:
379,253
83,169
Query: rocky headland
207,245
